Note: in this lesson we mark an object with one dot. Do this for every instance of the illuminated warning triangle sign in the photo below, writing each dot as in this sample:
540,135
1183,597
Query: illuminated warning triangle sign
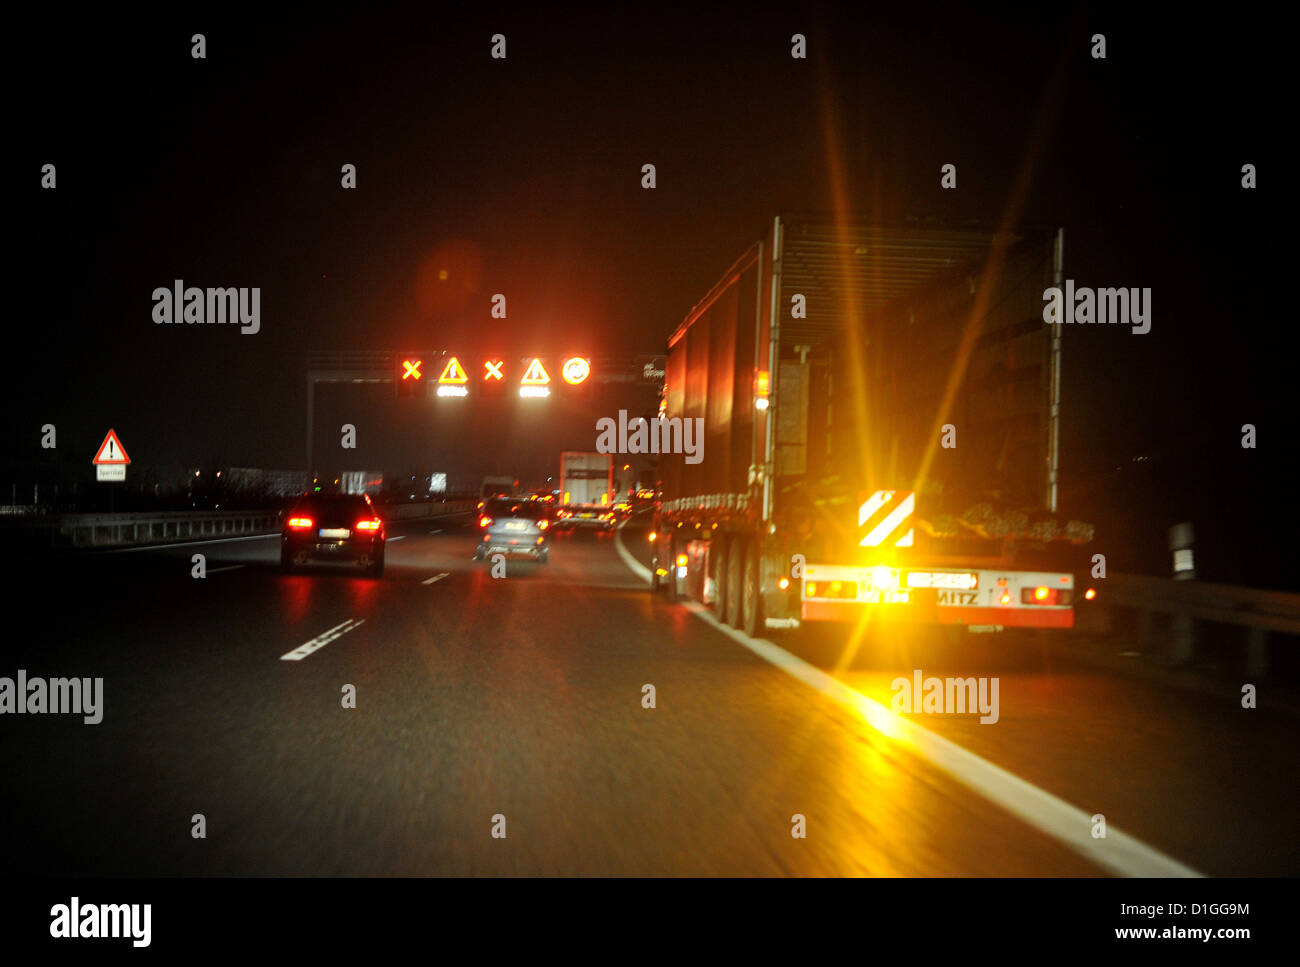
110,451
453,372
536,375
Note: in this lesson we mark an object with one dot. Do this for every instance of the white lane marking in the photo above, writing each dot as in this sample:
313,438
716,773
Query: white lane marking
163,547
436,577
218,570
438,531
1118,852
321,640
391,539
637,568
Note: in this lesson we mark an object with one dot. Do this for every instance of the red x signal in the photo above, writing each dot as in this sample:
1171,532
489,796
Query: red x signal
492,369
412,367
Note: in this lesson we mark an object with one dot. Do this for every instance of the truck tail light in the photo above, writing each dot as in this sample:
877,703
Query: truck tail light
1042,595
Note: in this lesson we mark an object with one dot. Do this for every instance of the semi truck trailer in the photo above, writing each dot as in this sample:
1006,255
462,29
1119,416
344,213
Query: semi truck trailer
880,410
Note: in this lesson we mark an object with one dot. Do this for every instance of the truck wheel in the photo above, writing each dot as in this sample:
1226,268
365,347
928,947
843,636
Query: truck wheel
669,563
736,553
751,603
718,554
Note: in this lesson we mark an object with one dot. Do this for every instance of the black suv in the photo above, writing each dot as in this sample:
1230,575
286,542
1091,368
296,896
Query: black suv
333,527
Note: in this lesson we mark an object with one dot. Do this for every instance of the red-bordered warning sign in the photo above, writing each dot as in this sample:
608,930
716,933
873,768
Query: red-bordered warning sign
111,451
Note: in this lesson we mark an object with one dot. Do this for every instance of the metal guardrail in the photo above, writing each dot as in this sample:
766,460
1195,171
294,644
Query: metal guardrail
102,530
1258,611
111,530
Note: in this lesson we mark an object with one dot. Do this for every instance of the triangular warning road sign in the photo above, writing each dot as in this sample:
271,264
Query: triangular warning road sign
111,451
536,375
453,373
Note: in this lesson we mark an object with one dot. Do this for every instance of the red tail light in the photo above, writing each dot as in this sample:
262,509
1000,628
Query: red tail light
368,525
485,521
1047,596
543,524
300,523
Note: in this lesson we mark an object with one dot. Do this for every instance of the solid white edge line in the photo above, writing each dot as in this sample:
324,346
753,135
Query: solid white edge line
436,577
314,645
401,538
1118,853
636,567
231,567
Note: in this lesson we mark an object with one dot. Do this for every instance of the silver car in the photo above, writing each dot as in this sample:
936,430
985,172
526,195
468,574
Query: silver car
513,525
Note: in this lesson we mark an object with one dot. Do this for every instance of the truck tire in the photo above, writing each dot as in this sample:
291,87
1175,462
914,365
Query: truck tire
669,563
718,559
736,553
751,595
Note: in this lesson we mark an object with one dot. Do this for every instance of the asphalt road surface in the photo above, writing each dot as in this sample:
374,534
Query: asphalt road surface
488,705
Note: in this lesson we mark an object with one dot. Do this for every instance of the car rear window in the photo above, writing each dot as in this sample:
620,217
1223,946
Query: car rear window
526,509
334,503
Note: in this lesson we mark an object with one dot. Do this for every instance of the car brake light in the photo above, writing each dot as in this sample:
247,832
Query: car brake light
543,524
368,525
300,523
681,560
1090,594
485,521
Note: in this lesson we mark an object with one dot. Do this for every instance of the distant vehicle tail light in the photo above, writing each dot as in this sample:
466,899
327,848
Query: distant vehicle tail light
485,521
480,505
1090,594
368,525
543,524
784,583
653,536
300,523
681,560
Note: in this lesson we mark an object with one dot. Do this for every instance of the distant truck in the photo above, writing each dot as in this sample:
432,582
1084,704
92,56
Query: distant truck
586,491
586,478
498,487
881,417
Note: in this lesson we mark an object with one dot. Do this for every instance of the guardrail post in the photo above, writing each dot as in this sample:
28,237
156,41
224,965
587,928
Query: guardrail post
1256,652
1183,632
1145,631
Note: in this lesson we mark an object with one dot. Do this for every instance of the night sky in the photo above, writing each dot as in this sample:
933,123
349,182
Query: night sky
523,176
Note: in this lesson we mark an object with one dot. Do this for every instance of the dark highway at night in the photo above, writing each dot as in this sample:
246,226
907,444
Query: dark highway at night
638,448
